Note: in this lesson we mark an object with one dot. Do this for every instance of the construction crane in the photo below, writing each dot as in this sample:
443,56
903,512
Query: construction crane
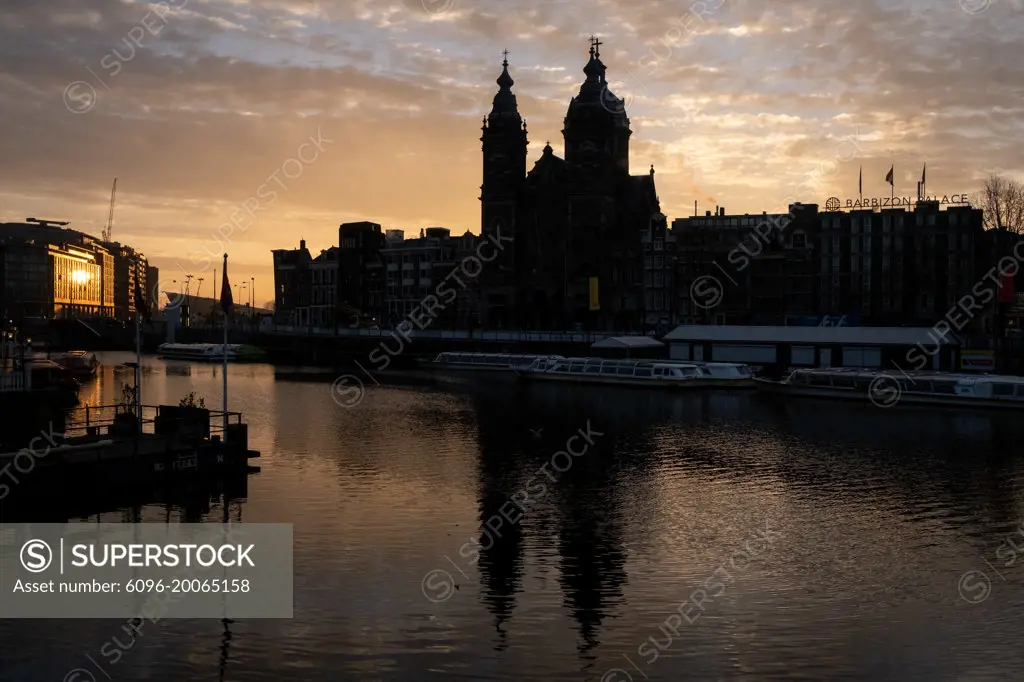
109,228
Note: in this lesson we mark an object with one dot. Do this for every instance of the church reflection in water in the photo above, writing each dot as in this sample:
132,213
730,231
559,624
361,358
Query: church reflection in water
516,440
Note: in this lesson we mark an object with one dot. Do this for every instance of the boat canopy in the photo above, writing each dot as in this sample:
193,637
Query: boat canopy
628,343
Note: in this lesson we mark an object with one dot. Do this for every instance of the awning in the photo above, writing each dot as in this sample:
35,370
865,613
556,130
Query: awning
628,342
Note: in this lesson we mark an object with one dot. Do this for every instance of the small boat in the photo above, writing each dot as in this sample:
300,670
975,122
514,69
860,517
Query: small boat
886,389
210,352
82,364
648,373
732,374
482,362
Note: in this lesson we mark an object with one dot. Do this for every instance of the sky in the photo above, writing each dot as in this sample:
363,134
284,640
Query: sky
243,126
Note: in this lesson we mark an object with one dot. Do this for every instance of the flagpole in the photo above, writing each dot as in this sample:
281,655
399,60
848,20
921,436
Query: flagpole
138,366
224,349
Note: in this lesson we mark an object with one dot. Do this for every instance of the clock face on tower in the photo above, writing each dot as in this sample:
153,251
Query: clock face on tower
496,157
588,146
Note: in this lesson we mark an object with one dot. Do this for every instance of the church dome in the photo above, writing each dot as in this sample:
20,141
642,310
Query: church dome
595,98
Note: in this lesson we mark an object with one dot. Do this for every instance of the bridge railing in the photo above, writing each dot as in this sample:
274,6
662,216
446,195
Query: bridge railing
513,336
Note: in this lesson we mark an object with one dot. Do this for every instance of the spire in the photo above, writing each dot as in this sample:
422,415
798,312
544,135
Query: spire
504,106
594,69
504,80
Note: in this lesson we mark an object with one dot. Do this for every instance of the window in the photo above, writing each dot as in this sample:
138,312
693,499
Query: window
644,371
1002,390
593,368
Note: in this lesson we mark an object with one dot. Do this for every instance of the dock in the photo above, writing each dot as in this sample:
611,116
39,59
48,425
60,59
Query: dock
107,446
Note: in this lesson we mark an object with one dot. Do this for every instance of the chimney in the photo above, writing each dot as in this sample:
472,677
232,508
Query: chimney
707,213
302,244
723,211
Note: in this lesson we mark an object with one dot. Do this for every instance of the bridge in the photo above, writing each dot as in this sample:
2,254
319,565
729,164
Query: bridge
325,344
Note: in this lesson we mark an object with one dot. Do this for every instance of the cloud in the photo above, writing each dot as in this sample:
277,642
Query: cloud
736,106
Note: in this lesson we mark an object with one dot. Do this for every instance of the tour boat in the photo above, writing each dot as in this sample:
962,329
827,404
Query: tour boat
482,362
649,373
886,389
209,352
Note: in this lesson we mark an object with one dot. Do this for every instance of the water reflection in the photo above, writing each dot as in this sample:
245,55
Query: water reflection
879,513
501,534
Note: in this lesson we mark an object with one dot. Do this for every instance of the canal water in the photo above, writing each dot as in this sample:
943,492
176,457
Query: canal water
442,531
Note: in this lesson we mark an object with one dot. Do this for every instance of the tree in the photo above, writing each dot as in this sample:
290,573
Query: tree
1002,200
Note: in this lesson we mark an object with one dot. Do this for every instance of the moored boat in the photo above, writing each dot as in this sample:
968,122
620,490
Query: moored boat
887,389
482,362
82,364
646,373
210,352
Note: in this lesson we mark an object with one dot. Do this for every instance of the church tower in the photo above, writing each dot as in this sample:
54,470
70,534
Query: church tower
504,173
504,145
596,128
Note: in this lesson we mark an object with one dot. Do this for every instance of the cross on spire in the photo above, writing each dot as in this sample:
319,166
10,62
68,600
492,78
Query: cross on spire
596,44
505,53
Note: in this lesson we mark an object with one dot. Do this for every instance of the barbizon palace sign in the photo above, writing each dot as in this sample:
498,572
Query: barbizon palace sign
834,204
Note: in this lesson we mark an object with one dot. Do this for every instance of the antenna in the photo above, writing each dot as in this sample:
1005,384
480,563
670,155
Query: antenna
109,228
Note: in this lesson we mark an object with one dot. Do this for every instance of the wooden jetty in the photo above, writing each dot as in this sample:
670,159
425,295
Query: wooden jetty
110,446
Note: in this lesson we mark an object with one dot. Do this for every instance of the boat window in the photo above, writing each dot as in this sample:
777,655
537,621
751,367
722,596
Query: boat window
1002,390
1020,390
626,369
947,387
659,372
576,368
841,381
644,371
592,368
820,380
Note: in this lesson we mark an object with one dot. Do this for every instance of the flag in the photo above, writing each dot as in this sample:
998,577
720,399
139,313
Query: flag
1007,292
225,290
888,177
860,182
141,306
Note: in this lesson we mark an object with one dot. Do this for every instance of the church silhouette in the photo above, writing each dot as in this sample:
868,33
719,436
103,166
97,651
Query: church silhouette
580,225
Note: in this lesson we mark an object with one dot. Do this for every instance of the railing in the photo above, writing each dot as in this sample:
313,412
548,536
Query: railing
12,381
560,337
96,420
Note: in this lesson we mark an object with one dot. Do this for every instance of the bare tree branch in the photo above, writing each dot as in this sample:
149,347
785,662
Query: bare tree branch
1002,200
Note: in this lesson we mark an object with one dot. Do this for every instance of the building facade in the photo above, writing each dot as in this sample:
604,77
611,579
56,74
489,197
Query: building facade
744,269
129,273
152,287
50,272
361,272
430,265
291,285
323,281
568,233
890,267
